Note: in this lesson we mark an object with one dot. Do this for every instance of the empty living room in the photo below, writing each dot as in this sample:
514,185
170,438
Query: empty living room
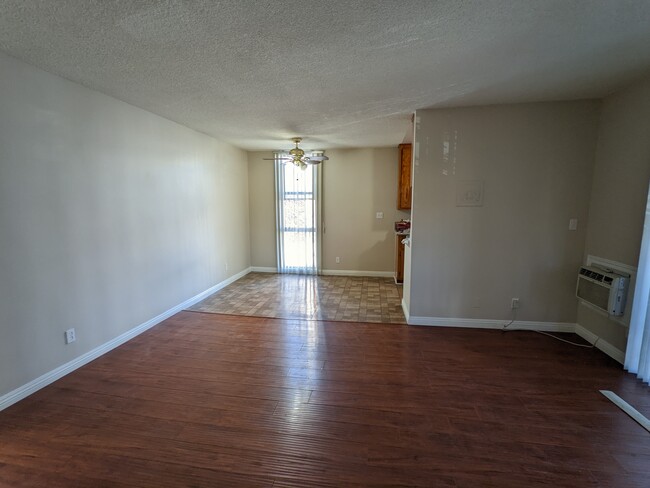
325,243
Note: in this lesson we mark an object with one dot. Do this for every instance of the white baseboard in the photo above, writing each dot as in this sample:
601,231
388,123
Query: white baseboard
492,324
263,269
50,377
613,352
354,272
590,337
405,309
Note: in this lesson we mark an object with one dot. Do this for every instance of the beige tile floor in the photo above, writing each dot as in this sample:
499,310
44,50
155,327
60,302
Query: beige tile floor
340,298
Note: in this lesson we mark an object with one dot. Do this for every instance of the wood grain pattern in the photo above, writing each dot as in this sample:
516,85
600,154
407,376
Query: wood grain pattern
404,178
206,400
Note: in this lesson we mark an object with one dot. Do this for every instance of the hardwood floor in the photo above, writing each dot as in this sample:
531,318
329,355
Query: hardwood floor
206,400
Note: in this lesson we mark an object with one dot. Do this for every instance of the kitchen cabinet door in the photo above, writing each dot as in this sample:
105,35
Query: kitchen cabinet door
404,178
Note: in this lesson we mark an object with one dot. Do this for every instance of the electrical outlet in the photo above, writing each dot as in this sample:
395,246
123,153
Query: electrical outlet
515,303
70,336
226,265
380,215
338,260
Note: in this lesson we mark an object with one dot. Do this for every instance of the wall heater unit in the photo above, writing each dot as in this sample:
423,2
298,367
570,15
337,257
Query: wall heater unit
603,289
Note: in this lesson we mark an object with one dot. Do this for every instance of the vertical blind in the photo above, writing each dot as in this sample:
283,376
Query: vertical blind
637,355
297,217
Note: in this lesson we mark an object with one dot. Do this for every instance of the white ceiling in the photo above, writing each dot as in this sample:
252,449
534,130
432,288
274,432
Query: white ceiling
339,72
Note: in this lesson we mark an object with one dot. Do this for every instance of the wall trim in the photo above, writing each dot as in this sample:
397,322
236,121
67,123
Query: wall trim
42,381
263,269
492,324
405,309
354,272
612,351
602,345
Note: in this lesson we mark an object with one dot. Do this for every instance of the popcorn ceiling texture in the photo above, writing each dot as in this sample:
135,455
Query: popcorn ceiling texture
339,72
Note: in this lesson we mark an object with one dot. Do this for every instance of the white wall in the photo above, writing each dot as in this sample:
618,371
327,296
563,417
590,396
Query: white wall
619,193
536,162
109,216
357,183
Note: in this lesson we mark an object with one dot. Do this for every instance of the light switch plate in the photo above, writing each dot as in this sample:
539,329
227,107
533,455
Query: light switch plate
573,224
469,193
380,215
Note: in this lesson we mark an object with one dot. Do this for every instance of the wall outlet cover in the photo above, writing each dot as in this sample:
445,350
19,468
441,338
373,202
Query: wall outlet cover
70,336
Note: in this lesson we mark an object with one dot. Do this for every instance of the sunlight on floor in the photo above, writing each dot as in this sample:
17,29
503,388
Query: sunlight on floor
339,298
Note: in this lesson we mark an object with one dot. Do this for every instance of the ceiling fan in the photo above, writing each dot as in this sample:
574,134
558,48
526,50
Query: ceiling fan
298,157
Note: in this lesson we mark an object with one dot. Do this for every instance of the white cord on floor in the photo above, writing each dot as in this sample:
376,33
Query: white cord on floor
588,346
514,317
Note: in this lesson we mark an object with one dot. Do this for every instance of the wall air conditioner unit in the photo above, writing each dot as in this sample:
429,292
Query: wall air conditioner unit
603,289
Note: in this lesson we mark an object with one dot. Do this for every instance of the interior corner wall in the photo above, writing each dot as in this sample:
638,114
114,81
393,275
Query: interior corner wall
619,193
261,187
535,165
357,183
109,216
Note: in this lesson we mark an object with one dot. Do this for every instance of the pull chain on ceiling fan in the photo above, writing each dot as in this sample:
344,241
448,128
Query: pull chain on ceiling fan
297,156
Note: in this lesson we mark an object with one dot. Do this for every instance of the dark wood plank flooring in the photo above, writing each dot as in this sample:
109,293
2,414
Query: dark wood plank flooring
205,400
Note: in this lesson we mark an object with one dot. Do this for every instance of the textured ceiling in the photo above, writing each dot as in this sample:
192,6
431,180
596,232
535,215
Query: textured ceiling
339,72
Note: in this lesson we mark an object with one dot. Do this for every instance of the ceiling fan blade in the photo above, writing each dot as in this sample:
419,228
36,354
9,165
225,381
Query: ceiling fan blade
298,157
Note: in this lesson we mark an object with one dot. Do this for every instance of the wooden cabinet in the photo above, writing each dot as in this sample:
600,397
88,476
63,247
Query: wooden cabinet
399,258
403,203
404,178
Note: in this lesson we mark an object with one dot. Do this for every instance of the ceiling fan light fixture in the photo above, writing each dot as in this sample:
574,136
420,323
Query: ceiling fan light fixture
317,157
298,157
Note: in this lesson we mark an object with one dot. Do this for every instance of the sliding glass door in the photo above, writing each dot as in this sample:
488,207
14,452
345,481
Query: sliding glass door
297,218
